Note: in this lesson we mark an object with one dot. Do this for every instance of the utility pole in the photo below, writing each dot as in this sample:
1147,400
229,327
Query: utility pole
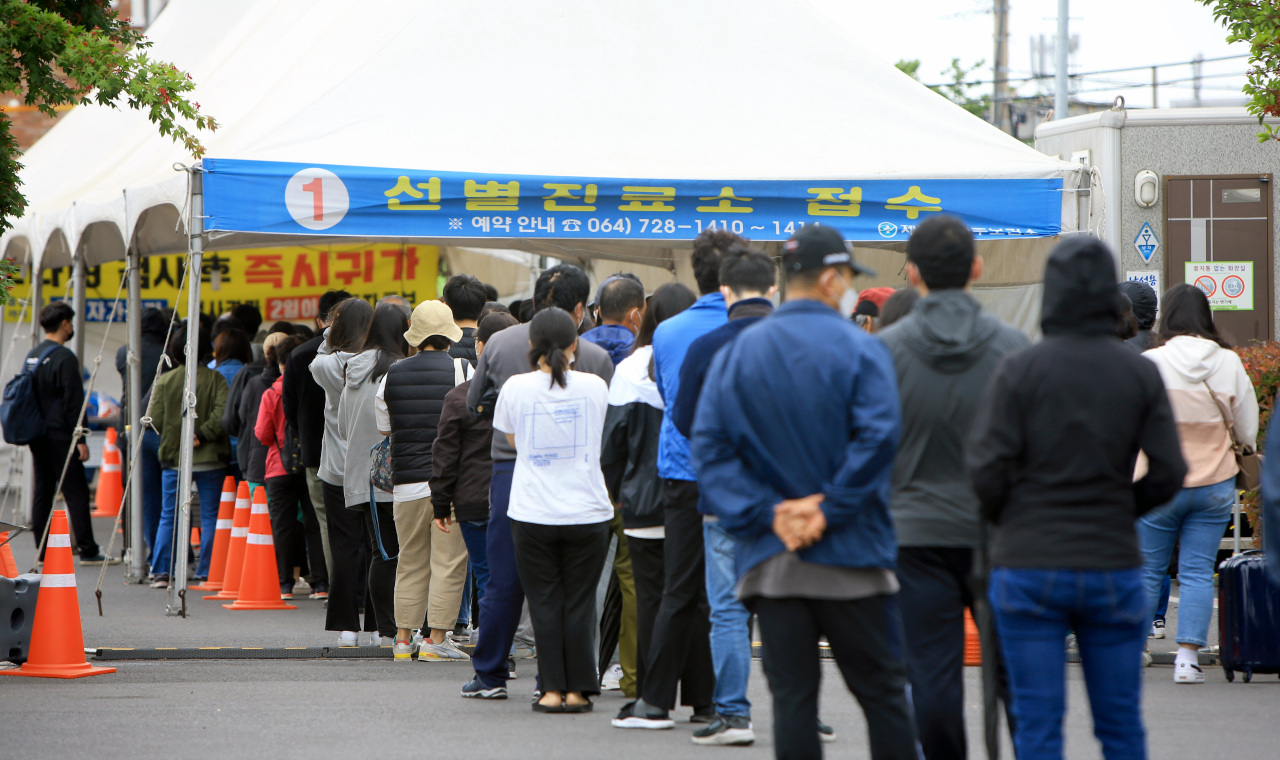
1061,52
1155,84
999,92
1197,69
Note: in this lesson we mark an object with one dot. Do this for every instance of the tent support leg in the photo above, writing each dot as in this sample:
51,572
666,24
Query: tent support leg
137,552
78,303
181,543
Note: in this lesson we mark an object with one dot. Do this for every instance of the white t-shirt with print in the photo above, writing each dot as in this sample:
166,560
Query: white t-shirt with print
557,479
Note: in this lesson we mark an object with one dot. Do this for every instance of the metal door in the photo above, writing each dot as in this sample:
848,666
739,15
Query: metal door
1223,219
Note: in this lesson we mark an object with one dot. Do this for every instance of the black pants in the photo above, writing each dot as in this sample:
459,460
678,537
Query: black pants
865,637
680,645
381,592
319,569
559,568
48,454
647,568
285,494
347,577
936,590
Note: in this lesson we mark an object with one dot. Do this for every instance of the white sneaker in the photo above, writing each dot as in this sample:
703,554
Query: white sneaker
348,639
612,678
402,651
1157,630
1186,672
1146,659
445,651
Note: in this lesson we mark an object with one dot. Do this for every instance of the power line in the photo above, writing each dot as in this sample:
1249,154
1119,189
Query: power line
976,82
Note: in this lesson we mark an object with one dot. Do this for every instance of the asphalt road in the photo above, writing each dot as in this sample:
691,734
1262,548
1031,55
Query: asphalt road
312,709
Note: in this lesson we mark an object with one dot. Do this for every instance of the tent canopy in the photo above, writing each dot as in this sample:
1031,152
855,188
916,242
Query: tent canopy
762,91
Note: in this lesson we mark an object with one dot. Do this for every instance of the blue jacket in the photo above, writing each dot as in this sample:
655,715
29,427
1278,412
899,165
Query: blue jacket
670,344
615,339
1271,499
803,402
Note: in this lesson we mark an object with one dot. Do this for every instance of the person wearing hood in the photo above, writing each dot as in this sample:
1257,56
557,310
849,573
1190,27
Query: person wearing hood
1052,456
1143,298
155,328
383,346
944,351
244,421
348,325
1210,393
621,302
465,296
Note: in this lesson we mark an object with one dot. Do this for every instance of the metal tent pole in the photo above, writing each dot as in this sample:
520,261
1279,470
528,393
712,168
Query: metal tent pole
137,572
181,543
78,303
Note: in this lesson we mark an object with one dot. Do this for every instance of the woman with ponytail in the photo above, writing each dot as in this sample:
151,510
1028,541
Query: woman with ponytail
559,508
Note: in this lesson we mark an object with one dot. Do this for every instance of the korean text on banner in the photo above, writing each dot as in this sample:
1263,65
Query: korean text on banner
1227,284
283,198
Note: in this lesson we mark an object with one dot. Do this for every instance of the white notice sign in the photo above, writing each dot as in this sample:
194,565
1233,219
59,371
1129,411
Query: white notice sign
1228,284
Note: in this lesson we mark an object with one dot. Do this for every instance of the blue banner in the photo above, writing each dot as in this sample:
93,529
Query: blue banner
357,201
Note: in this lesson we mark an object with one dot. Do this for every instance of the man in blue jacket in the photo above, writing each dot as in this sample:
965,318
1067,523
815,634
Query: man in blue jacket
794,441
679,651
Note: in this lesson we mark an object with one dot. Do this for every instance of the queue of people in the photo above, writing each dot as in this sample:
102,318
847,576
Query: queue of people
820,470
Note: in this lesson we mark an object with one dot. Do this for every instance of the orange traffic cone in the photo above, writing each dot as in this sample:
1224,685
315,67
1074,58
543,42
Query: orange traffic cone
222,537
8,565
57,643
972,644
260,579
110,485
235,547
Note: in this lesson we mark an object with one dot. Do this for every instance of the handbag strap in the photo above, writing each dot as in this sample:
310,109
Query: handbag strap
1222,412
377,529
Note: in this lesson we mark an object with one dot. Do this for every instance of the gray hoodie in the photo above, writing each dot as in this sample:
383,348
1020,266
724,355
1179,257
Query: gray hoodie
357,426
330,371
944,351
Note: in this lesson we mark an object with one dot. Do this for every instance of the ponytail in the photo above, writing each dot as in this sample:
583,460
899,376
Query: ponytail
551,334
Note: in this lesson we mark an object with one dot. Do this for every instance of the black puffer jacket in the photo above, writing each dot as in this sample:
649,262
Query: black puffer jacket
414,393
465,347
255,466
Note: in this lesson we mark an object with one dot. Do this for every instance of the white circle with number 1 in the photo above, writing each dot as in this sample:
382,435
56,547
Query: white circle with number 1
316,198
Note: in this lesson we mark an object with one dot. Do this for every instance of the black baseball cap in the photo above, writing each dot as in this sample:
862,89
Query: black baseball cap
816,246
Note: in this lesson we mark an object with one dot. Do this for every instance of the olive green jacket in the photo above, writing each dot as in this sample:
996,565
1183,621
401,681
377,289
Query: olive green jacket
166,415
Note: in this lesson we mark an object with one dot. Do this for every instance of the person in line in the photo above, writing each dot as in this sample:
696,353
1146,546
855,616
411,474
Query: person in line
506,354
1271,499
383,346
898,306
491,293
208,458
748,280
432,566
465,296
1052,456
155,329
865,314
621,303
1212,396
348,324
559,508
287,486
1143,299
303,402
244,422
682,628
250,319
630,463
231,353
462,466
60,393
794,438
944,351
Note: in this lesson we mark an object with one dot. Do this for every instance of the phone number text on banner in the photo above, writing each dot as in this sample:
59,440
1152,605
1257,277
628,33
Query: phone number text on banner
281,198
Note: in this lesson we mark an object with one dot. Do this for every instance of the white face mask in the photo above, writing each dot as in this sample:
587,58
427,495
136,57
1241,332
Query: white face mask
848,301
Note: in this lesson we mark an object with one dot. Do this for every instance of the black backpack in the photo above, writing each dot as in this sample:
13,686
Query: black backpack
20,414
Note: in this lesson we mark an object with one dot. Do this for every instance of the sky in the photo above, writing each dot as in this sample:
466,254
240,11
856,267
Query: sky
1113,34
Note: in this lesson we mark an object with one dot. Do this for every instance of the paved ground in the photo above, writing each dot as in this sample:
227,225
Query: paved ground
313,709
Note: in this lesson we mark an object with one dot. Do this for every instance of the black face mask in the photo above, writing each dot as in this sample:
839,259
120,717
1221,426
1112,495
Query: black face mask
71,334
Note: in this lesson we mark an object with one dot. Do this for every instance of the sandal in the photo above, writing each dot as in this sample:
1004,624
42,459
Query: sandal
538,707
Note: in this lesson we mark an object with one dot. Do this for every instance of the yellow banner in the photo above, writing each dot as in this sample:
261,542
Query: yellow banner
284,283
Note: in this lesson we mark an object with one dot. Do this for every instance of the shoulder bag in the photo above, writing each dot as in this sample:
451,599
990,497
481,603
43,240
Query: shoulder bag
1248,460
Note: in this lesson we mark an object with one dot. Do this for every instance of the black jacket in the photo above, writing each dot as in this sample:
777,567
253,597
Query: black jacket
1056,438
255,465
154,329
461,464
59,389
414,393
466,347
303,400
231,421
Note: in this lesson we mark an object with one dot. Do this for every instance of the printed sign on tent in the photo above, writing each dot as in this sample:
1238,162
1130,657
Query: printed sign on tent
1227,284
285,198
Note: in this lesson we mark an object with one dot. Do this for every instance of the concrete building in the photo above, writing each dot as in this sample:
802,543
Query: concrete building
1183,195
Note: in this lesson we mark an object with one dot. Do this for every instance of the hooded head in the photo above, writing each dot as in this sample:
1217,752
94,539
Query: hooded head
1081,296
1144,302
154,322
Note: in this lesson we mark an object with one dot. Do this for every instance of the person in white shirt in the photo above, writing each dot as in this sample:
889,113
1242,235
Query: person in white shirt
559,508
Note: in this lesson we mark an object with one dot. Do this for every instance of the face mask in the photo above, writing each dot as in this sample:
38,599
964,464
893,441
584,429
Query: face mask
848,301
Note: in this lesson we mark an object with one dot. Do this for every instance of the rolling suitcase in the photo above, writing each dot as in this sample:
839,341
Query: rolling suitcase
1248,617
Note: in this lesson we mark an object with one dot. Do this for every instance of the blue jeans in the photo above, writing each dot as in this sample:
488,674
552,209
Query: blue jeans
464,609
1162,606
730,624
504,595
152,488
1198,516
473,534
209,485
1108,611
